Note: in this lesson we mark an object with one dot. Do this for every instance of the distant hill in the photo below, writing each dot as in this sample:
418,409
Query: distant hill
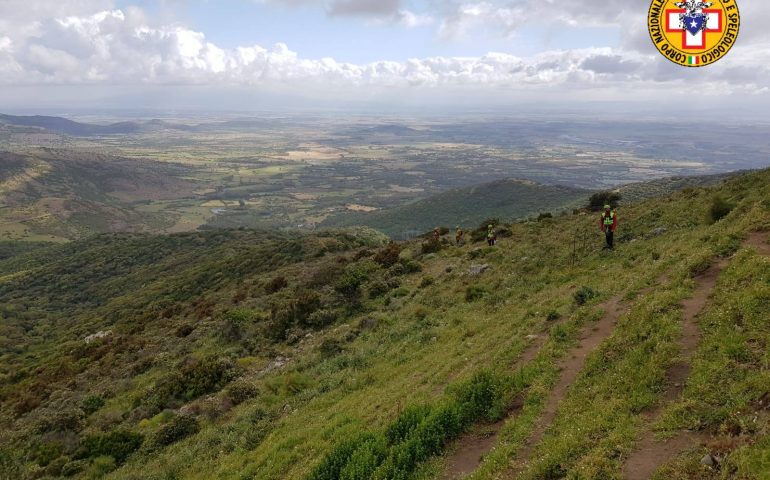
63,194
70,127
635,192
504,199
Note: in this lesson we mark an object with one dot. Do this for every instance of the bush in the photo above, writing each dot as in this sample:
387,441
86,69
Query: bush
184,330
349,283
544,216
377,289
233,323
180,427
600,199
431,245
91,404
388,256
406,423
335,461
276,284
553,315
475,292
364,459
418,433
330,348
321,318
192,379
427,282
240,391
583,295
118,444
411,266
719,209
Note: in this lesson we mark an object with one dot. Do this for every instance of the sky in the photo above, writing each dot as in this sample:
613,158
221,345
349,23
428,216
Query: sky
267,54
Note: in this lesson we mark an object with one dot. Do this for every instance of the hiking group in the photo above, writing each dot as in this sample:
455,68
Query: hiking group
608,223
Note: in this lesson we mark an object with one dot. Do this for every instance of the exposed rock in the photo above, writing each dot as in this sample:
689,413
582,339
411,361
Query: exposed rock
98,336
708,461
658,232
478,269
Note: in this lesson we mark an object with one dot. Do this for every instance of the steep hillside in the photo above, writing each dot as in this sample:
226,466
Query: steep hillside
504,199
53,194
241,354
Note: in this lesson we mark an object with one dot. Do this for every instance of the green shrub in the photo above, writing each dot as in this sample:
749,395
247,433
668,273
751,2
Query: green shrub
406,423
719,209
410,266
418,433
553,315
335,461
192,379
400,292
365,459
321,318
240,391
544,216
427,281
598,200
234,323
118,444
180,427
70,469
583,295
91,404
350,281
330,348
431,245
377,289
475,292
46,452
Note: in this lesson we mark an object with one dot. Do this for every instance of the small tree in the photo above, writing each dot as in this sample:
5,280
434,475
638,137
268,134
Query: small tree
599,199
720,208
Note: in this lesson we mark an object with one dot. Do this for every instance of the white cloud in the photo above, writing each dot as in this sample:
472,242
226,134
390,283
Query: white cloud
123,47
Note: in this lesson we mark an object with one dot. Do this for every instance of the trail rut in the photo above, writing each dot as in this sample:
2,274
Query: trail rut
570,367
471,448
650,452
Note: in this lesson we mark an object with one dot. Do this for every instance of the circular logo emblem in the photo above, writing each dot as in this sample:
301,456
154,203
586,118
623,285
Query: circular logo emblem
693,33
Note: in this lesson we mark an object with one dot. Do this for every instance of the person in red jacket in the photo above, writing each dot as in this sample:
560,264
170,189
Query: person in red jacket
608,223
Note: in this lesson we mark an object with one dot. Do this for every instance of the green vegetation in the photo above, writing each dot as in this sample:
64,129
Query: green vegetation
260,354
508,199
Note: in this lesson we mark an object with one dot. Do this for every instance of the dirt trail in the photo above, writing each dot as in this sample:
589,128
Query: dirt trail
570,367
471,448
650,452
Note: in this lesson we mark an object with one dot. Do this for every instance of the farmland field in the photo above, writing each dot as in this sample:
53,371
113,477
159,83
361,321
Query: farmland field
309,171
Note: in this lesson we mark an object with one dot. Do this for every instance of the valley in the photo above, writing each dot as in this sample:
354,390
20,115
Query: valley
308,172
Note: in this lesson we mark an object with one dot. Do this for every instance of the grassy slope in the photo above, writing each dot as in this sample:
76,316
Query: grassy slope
343,379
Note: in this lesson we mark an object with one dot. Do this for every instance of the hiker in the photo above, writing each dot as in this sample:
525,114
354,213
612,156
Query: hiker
491,236
437,234
608,223
459,234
